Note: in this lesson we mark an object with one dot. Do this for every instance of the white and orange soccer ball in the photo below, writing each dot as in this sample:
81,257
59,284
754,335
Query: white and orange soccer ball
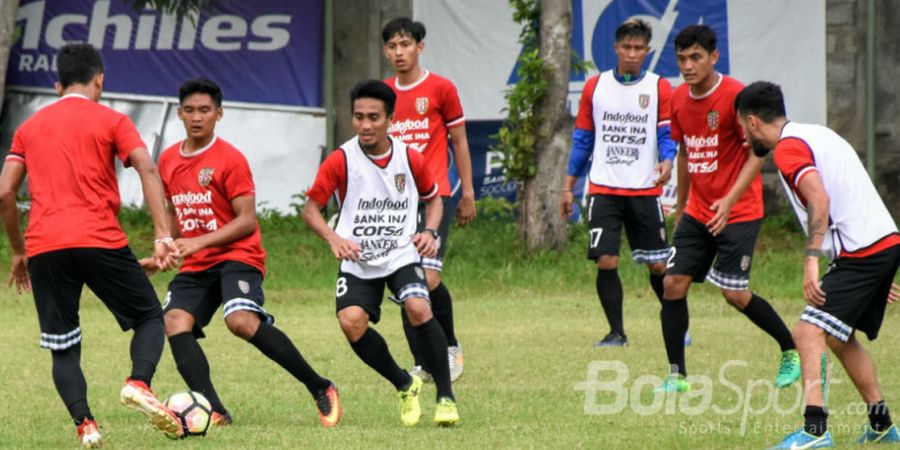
193,411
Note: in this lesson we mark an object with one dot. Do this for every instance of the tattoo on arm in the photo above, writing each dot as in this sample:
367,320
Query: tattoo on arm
816,228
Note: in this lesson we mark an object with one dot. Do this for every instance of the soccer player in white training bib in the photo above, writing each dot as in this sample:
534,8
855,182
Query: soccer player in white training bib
846,222
427,111
379,182
212,198
717,226
622,136
68,150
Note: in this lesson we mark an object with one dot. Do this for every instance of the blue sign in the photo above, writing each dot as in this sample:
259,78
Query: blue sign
265,51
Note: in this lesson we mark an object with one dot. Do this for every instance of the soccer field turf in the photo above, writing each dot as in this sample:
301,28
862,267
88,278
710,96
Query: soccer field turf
526,326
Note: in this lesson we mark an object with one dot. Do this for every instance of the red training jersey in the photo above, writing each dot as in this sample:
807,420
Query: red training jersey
68,148
200,187
707,128
424,113
332,175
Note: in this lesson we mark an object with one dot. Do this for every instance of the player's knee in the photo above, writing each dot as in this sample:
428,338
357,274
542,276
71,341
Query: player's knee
354,321
658,268
805,332
738,299
433,278
607,262
418,310
675,286
243,324
178,321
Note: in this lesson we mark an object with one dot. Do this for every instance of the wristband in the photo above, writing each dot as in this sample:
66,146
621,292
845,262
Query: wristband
434,233
163,240
813,253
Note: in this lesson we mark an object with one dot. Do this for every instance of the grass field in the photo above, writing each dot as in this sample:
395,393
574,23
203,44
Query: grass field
526,324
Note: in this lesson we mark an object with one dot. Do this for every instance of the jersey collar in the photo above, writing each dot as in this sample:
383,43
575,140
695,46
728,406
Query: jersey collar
709,92
74,95
411,86
198,152
628,78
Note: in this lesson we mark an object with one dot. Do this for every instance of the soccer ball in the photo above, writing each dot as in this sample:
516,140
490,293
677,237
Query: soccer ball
193,411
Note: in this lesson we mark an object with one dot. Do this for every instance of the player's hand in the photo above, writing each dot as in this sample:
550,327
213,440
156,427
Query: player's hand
18,274
665,172
565,204
148,265
188,246
813,294
426,244
465,210
344,249
722,207
893,294
165,254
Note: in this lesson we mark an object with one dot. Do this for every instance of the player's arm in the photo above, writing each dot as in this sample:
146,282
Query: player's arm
425,241
817,207
154,197
10,181
684,183
665,146
582,147
243,224
465,211
723,206
340,247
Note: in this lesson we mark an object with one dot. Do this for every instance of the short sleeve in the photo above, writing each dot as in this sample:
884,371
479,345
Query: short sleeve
239,179
126,138
425,183
17,149
585,118
451,108
332,176
664,115
794,159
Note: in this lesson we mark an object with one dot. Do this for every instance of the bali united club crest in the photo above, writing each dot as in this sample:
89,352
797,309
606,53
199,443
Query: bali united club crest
422,105
400,182
644,101
712,118
745,263
244,286
205,177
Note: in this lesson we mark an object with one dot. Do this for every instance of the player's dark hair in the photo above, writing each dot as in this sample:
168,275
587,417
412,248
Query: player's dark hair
634,28
701,35
762,99
78,64
404,26
200,86
376,89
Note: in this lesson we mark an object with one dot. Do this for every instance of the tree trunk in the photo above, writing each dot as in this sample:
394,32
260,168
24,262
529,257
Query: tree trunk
8,10
540,223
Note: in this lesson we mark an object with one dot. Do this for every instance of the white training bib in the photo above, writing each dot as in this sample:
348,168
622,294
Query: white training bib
379,211
625,121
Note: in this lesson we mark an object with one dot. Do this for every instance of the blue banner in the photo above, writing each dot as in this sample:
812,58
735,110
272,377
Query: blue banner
264,51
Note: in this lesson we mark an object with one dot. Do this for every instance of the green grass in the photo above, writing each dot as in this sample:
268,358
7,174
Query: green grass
526,324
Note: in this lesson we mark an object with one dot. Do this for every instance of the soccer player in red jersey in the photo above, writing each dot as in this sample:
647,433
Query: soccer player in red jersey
621,139
212,197
845,221
717,227
379,182
73,238
428,109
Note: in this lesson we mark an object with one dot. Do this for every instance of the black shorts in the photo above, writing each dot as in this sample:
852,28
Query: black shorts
405,283
235,285
437,262
644,223
115,276
856,291
694,249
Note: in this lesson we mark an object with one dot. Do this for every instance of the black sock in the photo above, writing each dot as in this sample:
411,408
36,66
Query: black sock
442,308
146,348
815,420
761,313
656,282
879,417
273,343
675,322
70,383
373,350
194,368
412,339
433,339
609,289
